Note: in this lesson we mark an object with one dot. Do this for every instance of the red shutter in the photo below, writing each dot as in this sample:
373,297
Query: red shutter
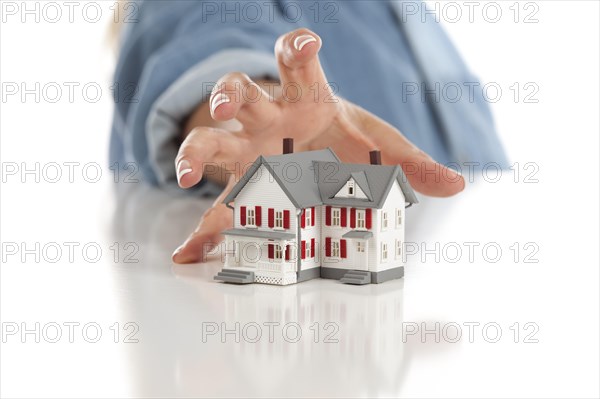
343,216
271,216
243,215
287,252
271,251
353,217
312,247
303,219
257,215
343,248
312,215
286,219
368,217
327,216
303,249
328,246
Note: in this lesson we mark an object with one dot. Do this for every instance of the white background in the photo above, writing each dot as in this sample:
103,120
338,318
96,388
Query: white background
558,216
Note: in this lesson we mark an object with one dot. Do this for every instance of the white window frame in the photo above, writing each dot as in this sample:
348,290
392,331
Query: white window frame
250,217
361,219
351,189
384,252
384,220
335,249
277,252
398,249
307,252
360,247
398,217
278,220
336,217
308,216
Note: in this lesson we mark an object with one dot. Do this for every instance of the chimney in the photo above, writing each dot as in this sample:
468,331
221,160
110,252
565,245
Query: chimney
375,157
288,146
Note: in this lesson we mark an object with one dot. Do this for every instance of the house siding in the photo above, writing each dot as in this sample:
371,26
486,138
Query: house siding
263,191
312,232
394,200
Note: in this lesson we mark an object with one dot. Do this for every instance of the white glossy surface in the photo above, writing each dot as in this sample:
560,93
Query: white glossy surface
170,303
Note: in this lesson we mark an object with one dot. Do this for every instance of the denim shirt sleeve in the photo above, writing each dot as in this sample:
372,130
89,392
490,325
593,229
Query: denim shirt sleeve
176,48
178,101
165,58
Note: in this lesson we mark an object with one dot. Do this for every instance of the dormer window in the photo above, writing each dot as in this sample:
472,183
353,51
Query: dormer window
351,188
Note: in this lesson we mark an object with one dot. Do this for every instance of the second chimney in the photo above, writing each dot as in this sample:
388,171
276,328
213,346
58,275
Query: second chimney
288,146
375,157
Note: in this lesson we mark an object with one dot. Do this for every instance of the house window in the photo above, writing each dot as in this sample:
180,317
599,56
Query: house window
308,214
250,217
360,246
384,221
398,217
307,249
279,219
278,252
335,217
384,252
398,249
335,249
351,188
360,219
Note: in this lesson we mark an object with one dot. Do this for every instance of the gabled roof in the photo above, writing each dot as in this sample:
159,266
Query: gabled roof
361,179
314,177
380,179
293,172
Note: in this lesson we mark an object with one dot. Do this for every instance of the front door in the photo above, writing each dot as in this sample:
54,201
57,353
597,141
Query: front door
360,256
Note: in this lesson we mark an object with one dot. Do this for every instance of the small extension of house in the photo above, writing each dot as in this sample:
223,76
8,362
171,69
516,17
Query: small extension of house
299,216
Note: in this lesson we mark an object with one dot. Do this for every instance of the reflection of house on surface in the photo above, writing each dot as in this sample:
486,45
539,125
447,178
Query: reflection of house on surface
171,356
327,219
366,321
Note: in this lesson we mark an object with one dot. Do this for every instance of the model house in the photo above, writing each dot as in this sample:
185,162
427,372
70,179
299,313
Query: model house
299,216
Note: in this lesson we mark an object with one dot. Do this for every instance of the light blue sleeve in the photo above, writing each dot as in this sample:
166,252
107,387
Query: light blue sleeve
171,109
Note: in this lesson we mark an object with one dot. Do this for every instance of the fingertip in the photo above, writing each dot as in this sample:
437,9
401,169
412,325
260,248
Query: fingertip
187,175
298,47
302,41
221,107
195,249
454,180
432,178
182,256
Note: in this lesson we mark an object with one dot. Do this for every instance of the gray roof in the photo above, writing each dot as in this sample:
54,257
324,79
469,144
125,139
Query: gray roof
361,179
363,235
314,177
294,173
331,176
273,235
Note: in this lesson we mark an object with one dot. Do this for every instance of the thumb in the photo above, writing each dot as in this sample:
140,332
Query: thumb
208,233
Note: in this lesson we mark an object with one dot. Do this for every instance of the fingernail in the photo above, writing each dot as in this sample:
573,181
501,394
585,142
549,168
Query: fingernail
217,100
456,177
180,258
178,250
302,41
183,168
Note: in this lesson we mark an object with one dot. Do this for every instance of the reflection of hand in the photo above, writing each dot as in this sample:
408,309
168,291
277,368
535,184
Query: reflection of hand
316,119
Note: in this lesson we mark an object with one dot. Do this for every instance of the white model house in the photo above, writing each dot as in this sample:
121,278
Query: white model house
299,216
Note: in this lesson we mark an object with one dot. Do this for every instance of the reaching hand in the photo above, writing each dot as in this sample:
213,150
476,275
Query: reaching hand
305,110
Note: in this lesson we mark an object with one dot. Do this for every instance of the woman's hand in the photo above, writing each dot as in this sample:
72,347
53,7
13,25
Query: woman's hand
306,111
